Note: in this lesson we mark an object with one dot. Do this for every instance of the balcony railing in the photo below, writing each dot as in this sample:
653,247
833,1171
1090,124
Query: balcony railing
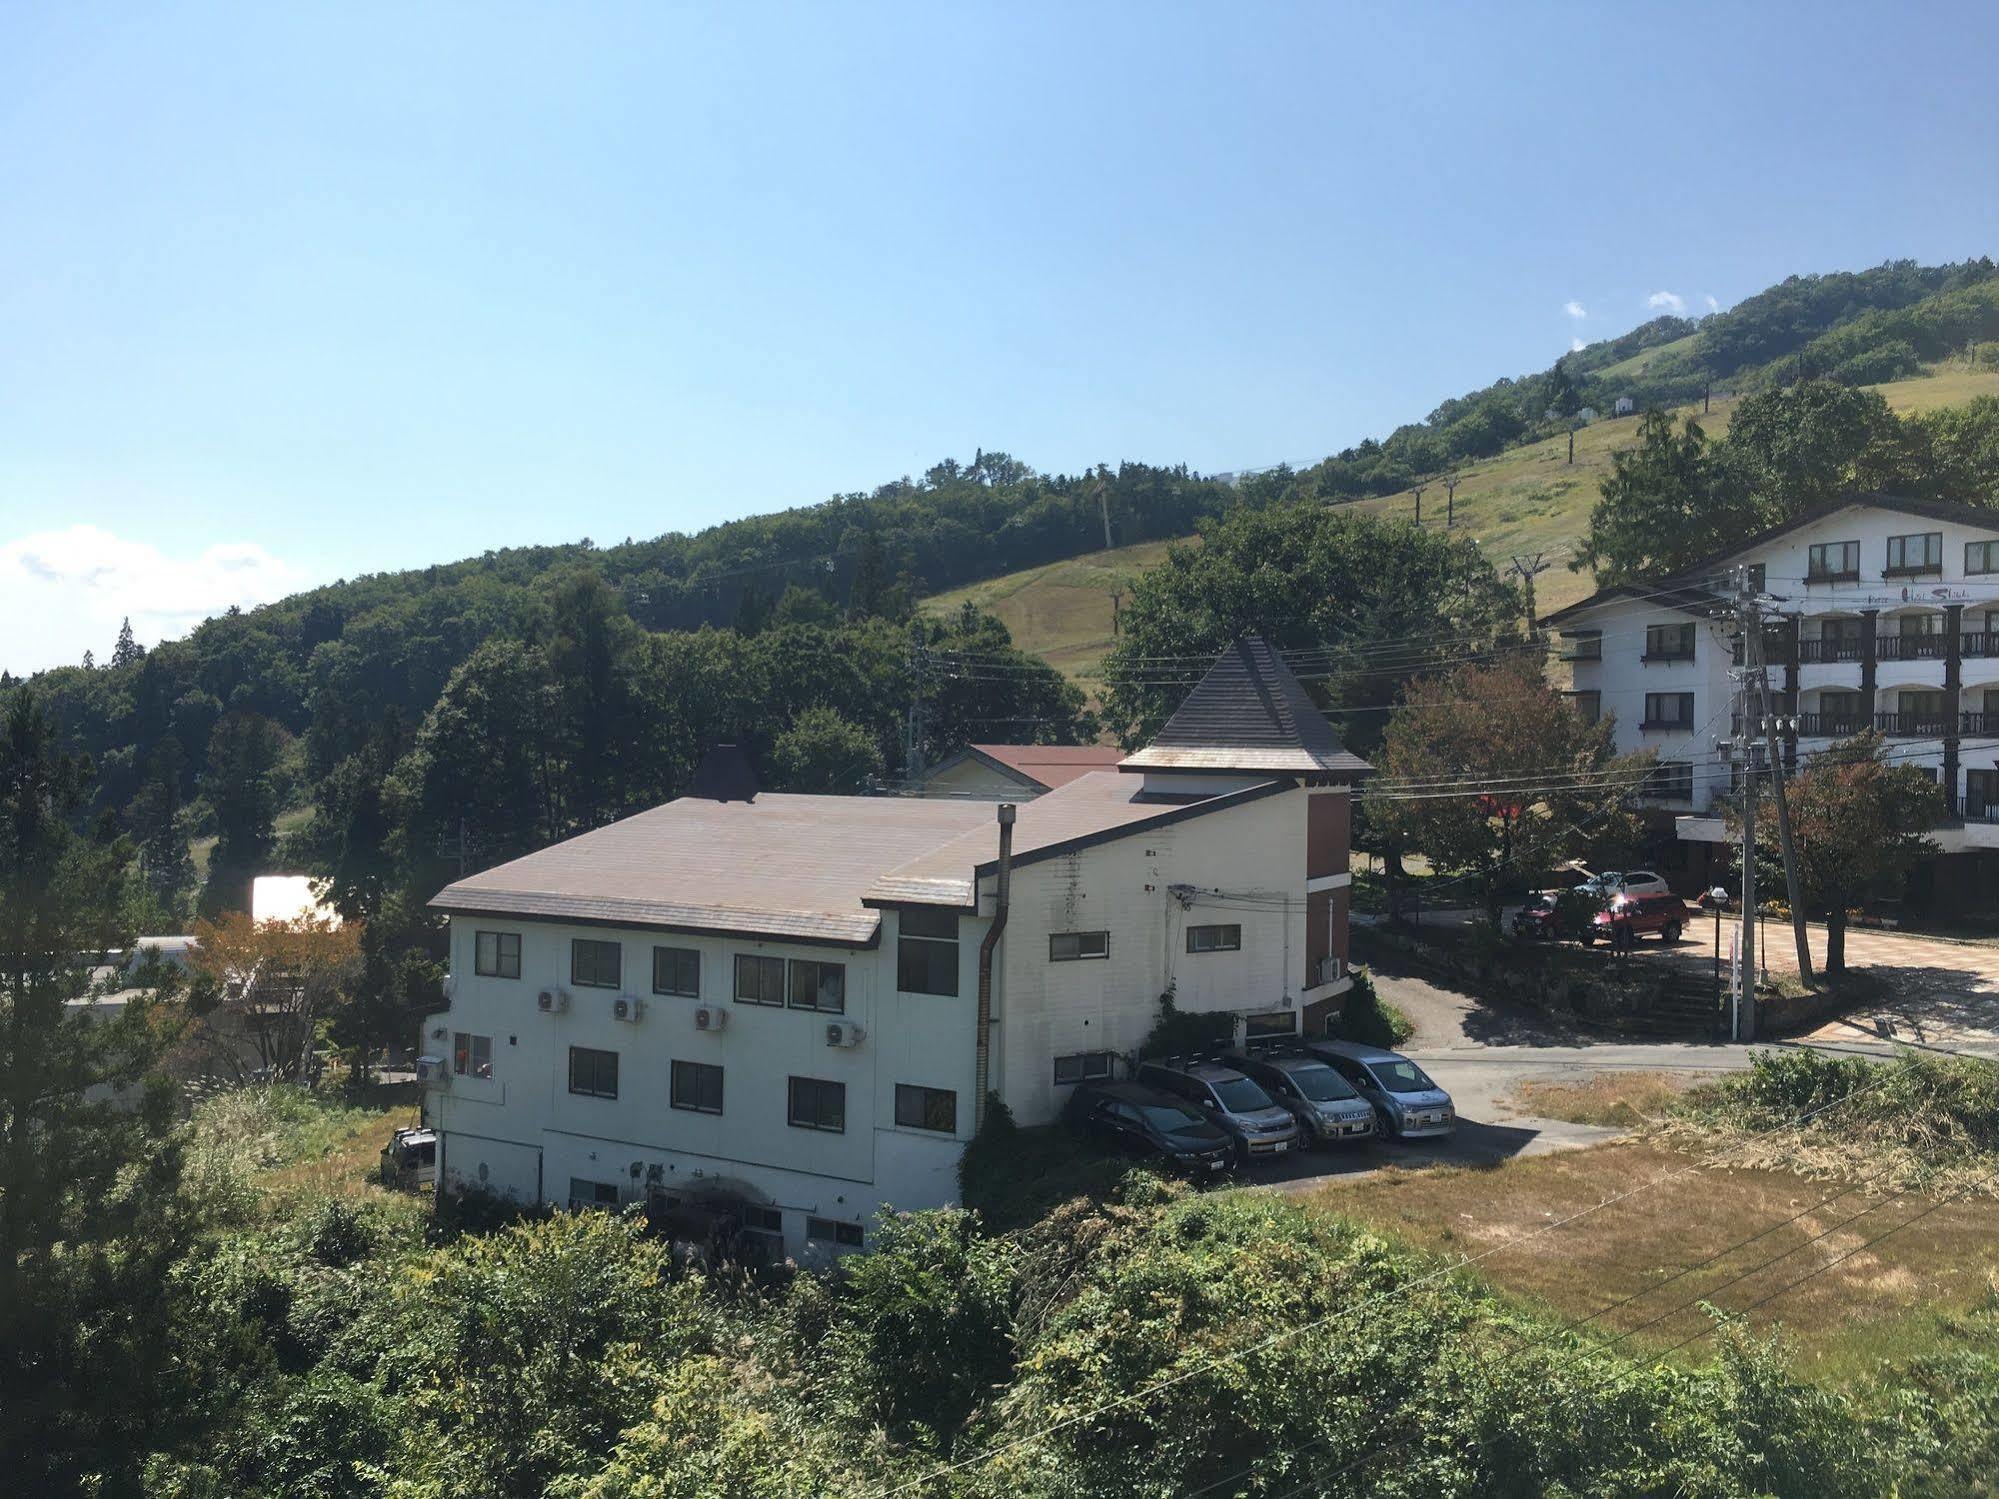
1980,724
1666,725
1982,812
1978,643
1912,725
1912,647
1831,725
1824,650
1832,575
1914,570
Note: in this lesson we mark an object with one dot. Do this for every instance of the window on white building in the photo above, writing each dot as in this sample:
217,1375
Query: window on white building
1069,947
1826,561
676,970
1669,642
497,955
1921,553
1981,556
1082,1067
471,1056
817,1103
1227,938
926,952
833,1231
926,1108
588,1194
818,986
1668,710
1279,1023
696,1086
759,980
595,965
593,1073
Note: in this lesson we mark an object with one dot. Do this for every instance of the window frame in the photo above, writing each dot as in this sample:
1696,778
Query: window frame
576,948
698,1073
465,1047
1988,551
1079,955
597,1053
1654,720
1084,1061
1684,630
1216,926
1932,541
498,970
926,947
762,1223
797,966
1669,781
791,1109
1816,570
853,1235
923,1097
596,1199
678,954
762,963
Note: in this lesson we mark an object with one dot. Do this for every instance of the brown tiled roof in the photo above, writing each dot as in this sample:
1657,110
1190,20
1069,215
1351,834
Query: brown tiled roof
780,866
1051,765
1249,713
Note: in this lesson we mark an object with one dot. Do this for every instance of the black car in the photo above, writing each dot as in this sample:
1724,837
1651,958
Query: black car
1144,1121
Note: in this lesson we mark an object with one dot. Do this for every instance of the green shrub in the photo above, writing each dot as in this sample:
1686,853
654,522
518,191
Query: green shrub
1180,1032
1369,1019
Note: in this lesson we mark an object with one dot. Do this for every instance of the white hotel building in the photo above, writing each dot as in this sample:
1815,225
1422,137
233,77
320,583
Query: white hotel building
790,1008
1880,612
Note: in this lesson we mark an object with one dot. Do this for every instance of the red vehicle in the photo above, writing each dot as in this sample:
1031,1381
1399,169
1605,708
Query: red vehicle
1629,917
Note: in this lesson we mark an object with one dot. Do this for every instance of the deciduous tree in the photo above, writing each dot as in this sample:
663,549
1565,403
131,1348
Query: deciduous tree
281,982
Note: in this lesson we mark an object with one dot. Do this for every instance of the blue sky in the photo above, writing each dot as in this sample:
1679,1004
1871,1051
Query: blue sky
289,293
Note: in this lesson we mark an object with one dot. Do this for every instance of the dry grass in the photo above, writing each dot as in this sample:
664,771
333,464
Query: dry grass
1624,1261
1624,1100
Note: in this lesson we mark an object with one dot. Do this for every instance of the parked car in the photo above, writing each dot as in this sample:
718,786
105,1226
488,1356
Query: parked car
1236,1103
1540,918
1614,882
1327,1108
1410,1105
1641,915
1147,1121
409,1160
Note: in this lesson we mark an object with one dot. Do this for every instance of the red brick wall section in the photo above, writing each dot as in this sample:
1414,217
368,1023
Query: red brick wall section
1328,832
1341,905
1319,930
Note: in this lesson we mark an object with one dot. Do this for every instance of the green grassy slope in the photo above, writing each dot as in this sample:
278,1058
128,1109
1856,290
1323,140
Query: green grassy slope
1528,500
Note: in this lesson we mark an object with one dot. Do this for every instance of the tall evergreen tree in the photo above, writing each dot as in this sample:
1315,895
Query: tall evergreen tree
127,651
85,1182
159,823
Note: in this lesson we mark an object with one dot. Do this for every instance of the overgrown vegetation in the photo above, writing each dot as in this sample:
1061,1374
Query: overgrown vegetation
1921,1121
1368,1018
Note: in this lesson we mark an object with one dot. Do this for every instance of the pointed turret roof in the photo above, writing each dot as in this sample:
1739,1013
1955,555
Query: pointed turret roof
1248,714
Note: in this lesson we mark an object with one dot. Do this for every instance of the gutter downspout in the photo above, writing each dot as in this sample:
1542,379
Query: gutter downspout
983,1072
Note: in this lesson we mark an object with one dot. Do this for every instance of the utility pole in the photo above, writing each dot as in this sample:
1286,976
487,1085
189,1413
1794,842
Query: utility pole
1745,620
1418,492
1753,656
1527,568
912,756
1117,602
1572,441
1104,506
1451,483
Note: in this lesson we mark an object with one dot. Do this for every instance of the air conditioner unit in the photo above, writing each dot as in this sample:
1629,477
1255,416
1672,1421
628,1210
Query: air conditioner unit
432,1070
710,1018
552,1001
624,1007
844,1033
449,986
1330,969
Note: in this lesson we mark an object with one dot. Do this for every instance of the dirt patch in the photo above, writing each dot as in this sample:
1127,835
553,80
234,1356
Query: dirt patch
1613,1100
1683,1232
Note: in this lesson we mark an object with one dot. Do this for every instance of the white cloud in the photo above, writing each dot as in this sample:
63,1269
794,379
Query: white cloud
1667,301
65,592
1575,309
1576,346
1712,304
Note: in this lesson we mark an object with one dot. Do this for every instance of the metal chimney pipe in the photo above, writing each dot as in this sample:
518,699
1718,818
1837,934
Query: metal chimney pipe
1002,891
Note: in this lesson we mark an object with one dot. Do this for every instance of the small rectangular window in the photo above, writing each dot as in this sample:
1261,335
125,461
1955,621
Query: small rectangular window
763,1220
816,1103
1585,645
497,955
832,1231
1670,780
1920,553
818,986
926,1108
696,1086
676,970
1069,947
1826,560
926,952
759,980
1588,704
595,965
1278,1023
592,1073
1668,710
1981,556
588,1194
1227,938
471,1056
1082,1067
1669,642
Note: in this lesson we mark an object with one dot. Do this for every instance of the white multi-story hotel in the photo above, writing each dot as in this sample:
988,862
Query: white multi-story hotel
1880,612
794,1006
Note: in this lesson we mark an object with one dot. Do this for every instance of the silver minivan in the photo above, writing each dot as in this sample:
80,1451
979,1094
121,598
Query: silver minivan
1237,1103
1326,1105
1411,1106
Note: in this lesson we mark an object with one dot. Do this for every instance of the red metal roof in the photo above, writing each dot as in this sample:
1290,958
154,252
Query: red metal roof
1051,765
